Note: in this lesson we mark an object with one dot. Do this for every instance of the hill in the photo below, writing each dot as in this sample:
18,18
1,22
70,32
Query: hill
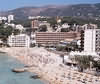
78,10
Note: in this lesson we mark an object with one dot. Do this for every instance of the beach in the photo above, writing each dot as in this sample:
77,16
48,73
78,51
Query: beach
7,76
49,66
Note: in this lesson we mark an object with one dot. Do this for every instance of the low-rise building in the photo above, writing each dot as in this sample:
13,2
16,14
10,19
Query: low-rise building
35,24
21,40
89,26
10,18
79,28
65,25
20,27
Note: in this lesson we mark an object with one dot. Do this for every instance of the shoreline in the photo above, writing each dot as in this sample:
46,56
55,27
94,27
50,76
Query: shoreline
6,50
41,79
47,65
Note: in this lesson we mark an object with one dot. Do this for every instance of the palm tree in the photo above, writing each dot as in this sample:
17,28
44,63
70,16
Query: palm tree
84,62
62,56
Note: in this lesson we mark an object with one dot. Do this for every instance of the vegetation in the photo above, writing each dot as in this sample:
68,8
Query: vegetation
60,48
52,21
25,23
87,62
43,28
83,62
62,56
68,47
64,30
79,21
67,19
96,64
7,31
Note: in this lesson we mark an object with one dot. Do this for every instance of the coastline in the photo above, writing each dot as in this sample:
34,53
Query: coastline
3,50
47,65
22,60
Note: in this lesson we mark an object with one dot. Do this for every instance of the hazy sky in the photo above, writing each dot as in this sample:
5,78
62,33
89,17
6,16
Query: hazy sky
11,4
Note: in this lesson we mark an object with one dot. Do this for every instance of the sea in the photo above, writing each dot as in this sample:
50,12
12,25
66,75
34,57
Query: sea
8,63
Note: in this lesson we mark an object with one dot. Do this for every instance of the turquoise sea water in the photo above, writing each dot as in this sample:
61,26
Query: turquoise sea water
8,77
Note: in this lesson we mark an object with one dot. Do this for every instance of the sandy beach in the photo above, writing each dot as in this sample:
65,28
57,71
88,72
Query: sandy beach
49,66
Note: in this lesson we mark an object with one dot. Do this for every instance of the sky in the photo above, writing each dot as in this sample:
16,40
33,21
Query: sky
12,4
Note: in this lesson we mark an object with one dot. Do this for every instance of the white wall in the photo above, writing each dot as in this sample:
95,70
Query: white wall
21,40
89,40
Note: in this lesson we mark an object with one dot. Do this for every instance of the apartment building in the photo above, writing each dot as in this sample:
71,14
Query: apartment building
35,24
79,28
89,26
92,40
21,40
10,18
54,37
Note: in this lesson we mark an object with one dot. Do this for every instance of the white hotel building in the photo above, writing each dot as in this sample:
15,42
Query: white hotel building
92,40
21,40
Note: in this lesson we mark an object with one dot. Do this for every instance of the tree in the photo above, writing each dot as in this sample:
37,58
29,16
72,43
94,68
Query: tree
52,21
43,28
16,31
65,30
25,23
5,32
96,64
62,56
60,48
83,62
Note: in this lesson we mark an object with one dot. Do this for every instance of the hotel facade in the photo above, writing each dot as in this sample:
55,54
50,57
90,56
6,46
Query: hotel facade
21,40
54,37
92,40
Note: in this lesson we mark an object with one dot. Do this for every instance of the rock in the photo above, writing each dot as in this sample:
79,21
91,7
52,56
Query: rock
19,70
35,77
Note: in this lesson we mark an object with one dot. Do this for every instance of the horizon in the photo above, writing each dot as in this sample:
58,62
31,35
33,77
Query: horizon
30,3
